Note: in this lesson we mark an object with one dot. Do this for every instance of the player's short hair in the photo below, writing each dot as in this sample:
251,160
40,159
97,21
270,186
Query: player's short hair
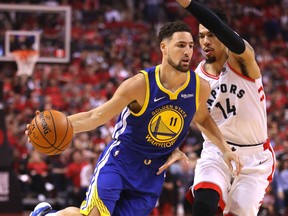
168,29
221,15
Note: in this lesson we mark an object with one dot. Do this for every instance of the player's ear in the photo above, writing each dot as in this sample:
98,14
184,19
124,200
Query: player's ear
163,48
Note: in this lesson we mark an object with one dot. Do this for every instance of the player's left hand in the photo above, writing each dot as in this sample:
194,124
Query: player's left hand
28,126
175,156
233,162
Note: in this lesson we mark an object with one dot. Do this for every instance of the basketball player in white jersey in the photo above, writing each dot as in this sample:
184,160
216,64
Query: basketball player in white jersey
237,104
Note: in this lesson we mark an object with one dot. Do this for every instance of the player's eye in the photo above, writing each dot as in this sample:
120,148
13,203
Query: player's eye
210,35
181,45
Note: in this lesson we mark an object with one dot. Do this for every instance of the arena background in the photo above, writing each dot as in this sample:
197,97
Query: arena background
86,49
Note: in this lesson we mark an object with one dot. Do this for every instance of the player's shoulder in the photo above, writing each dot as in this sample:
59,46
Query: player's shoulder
136,80
134,85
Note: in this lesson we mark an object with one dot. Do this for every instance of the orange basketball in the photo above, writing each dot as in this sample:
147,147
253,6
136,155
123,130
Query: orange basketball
50,132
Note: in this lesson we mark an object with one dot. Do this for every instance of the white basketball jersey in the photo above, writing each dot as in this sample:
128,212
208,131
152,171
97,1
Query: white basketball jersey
238,105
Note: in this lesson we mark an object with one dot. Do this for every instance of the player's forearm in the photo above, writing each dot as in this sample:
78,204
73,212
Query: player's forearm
212,132
212,22
83,121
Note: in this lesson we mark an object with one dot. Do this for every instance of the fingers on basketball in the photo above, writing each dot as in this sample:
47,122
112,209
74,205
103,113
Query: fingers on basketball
50,132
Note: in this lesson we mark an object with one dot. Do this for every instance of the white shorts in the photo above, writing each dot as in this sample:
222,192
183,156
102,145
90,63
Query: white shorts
239,195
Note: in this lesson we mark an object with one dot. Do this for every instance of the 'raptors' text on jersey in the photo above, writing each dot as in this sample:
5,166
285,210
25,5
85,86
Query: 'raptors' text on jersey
164,119
237,105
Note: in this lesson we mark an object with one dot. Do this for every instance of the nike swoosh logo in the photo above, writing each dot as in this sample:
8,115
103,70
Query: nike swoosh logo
158,99
261,162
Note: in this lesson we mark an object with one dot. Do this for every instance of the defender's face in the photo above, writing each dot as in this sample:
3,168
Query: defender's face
178,50
211,46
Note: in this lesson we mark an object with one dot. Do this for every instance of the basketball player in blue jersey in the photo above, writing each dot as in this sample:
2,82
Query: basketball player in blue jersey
237,104
156,108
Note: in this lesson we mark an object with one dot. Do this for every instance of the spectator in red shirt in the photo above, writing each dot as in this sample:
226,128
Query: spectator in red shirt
38,171
73,175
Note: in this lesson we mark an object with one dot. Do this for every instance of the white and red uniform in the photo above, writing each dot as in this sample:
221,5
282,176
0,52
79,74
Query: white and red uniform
238,106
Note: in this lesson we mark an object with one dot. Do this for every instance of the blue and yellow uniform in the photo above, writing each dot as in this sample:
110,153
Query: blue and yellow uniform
142,142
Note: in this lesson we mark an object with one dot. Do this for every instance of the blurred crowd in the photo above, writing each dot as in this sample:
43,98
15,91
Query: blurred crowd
113,40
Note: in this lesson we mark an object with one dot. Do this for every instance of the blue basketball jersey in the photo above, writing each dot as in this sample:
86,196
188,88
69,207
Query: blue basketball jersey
125,180
164,119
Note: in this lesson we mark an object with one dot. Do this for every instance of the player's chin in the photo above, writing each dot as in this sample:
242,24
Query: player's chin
184,67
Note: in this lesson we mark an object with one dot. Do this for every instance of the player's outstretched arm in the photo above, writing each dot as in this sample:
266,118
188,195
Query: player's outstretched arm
207,125
133,89
212,22
86,121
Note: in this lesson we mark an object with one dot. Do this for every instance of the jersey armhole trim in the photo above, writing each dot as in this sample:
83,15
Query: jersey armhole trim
147,95
239,74
197,90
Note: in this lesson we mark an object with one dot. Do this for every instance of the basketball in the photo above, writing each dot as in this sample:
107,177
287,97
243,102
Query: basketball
50,132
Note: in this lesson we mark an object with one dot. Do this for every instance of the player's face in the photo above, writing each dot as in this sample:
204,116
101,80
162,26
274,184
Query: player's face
179,50
211,46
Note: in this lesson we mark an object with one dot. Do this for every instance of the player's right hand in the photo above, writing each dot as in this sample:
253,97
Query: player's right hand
175,156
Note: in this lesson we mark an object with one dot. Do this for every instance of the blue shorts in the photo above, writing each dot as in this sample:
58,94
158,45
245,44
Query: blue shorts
124,183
